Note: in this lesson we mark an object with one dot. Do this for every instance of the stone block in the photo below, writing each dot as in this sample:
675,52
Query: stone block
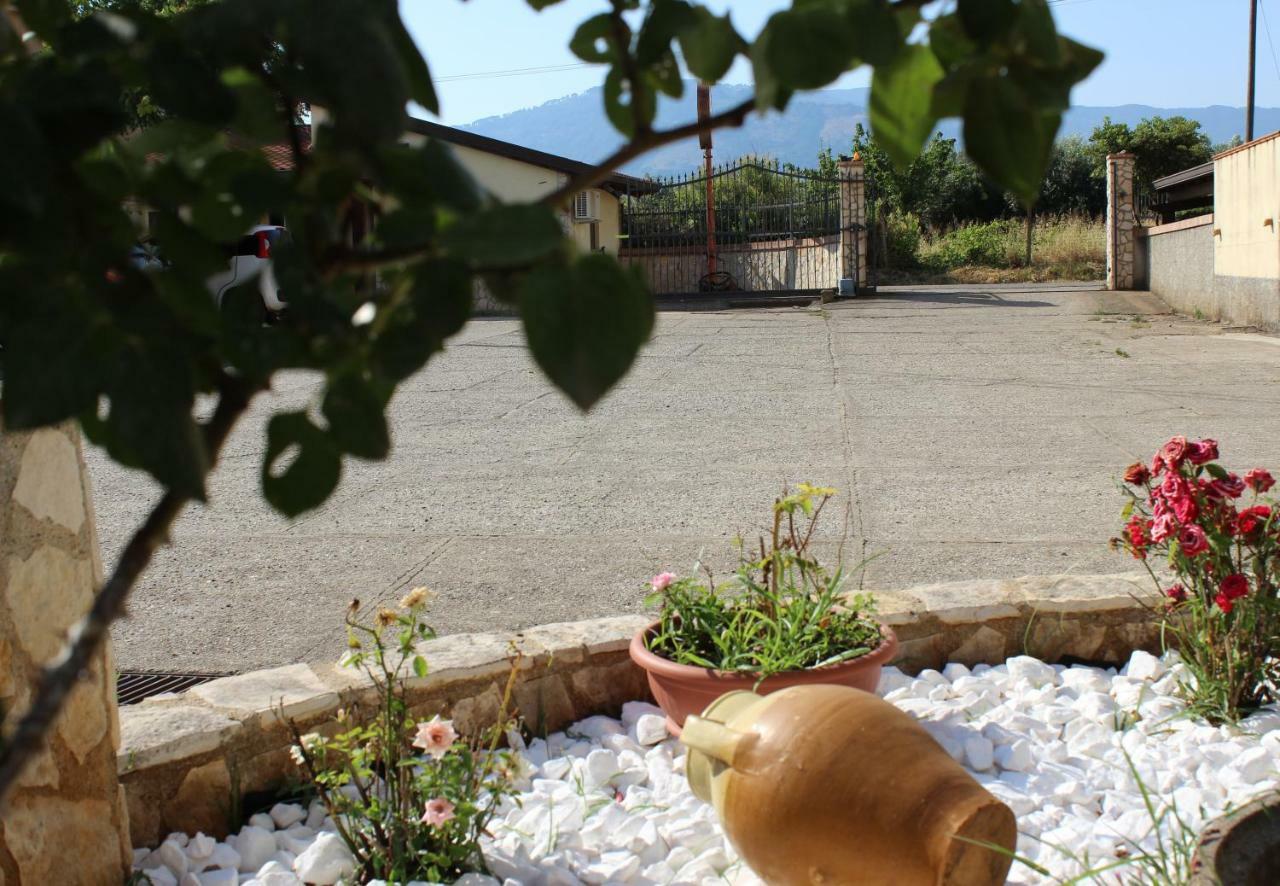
47,593
292,692
83,723
544,704
465,656
154,734
49,484
65,841
203,801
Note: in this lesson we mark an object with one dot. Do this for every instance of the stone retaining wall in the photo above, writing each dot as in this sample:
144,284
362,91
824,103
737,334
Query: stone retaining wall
188,758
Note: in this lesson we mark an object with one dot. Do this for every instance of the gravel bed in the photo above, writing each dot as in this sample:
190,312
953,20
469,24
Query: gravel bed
606,801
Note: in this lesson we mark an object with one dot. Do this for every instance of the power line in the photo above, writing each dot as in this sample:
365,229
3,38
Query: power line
1267,29
515,72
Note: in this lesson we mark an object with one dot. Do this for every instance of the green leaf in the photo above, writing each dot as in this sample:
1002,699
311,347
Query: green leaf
709,44
585,324
504,236
901,102
875,31
1009,138
1216,470
436,306
593,41
312,474
419,666
986,20
1035,23
805,47
353,406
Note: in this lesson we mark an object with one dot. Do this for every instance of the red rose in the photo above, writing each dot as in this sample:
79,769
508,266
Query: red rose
1259,480
1174,451
1137,474
1177,593
1163,527
1174,487
1224,602
1204,451
1234,586
1157,465
1139,538
1185,510
1252,519
1231,487
1192,541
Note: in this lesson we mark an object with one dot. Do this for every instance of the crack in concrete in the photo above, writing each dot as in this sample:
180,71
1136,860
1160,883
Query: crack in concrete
854,505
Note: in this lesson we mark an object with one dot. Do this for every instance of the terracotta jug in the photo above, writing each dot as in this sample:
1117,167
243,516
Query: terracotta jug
833,785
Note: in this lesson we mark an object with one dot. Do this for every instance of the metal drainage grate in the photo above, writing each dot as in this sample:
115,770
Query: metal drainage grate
133,687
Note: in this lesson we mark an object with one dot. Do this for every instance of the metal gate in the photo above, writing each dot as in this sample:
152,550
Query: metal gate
770,228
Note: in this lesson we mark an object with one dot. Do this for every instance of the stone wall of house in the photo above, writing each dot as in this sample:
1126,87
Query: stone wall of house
1122,221
66,822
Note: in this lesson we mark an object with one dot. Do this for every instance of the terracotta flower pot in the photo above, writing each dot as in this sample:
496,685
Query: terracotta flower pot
681,690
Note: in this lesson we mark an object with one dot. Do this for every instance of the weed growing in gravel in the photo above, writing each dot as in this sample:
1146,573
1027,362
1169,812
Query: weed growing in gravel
410,801
782,610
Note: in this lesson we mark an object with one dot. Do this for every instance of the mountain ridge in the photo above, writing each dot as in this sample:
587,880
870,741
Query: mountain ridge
575,126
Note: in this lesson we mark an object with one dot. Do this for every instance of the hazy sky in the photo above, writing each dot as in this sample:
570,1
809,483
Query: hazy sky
1167,53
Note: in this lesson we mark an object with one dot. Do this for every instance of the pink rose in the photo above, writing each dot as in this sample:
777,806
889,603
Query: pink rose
1157,465
1174,451
1174,487
1204,451
1162,527
439,811
1259,480
1192,540
435,736
662,581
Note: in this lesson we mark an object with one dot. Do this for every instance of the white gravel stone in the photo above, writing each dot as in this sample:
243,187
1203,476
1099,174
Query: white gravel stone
325,861
256,847
286,815
650,729
262,820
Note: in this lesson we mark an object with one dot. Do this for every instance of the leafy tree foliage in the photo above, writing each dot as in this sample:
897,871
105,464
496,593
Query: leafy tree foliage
1163,145
128,353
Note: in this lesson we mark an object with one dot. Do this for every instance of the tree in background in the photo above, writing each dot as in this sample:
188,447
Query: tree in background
1163,145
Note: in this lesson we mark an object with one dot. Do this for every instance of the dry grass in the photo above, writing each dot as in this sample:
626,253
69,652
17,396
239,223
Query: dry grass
1063,248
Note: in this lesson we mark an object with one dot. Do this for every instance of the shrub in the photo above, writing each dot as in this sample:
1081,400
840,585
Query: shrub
1222,611
985,244
902,238
782,611
406,815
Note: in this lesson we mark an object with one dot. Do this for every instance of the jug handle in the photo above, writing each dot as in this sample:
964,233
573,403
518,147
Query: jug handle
714,739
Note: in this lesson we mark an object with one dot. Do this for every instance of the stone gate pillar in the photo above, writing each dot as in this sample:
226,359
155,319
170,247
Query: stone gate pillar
853,224
1122,221
66,820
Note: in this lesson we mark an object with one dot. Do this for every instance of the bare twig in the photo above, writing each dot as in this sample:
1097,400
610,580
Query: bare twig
60,676
643,144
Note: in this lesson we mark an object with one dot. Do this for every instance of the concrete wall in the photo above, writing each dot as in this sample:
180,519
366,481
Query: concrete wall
1246,211
1226,266
65,823
812,263
1179,265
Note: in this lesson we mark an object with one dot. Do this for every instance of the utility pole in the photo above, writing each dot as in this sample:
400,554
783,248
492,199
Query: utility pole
704,141
1253,45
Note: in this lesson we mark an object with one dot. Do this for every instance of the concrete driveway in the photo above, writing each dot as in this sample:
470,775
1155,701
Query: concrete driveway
973,432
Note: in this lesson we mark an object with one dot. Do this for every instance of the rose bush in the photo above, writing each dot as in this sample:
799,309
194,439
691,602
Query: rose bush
1222,610
410,800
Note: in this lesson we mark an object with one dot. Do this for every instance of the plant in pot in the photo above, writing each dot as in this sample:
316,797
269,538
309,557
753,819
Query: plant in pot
782,620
